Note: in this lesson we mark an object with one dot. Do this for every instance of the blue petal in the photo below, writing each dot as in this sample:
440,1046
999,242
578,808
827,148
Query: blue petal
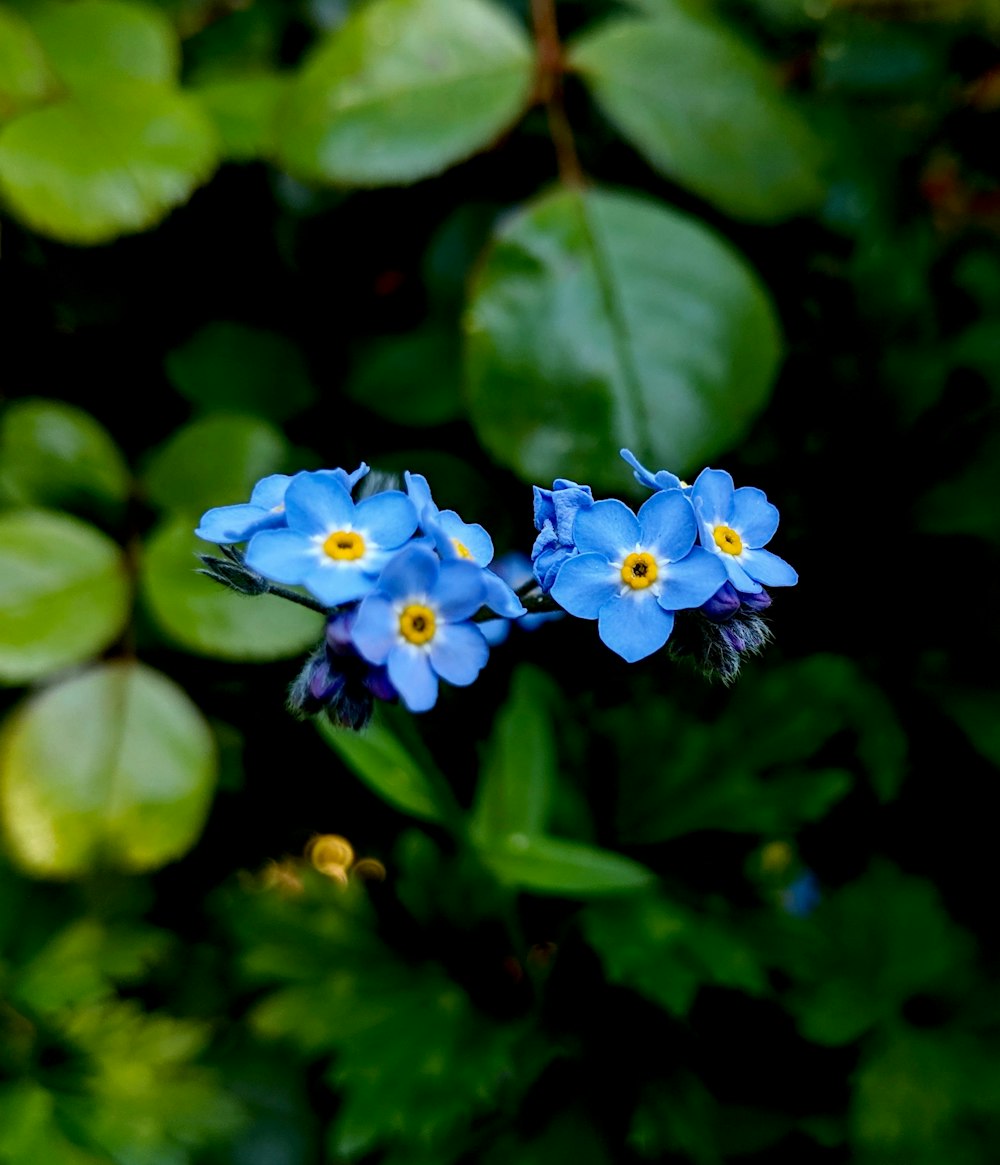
737,575
668,525
410,573
224,525
376,629
389,518
350,480
472,536
411,674
712,495
499,597
338,582
419,492
317,503
459,653
459,591
769,569
662,479
754,518
609,527
282,555
495,631
692,581
270,491
634,626
545,511
514,568
585,583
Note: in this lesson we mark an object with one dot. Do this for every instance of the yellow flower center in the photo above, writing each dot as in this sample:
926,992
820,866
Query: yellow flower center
417,624
639,570
344,545
463,550
727,540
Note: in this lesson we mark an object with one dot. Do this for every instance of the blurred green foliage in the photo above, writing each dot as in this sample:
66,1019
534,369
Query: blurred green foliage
586,912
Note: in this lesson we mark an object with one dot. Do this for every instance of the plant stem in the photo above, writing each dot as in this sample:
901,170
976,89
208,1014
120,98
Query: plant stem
551,66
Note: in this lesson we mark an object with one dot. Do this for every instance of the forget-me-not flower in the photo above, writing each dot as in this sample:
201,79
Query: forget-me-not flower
416,622
458,540
331,545
555,513
633,573
225,525
662,479
734,525
515,570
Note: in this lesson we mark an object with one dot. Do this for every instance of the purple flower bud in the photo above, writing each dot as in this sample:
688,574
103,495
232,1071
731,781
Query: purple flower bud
756,602
723,605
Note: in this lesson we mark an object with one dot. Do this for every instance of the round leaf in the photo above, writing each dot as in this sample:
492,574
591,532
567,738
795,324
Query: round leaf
412,379
705,110
404,89
213,462
25,76
64,595
93,41
206,617
245,111
53,454
230,366
600,320
112,159
113,768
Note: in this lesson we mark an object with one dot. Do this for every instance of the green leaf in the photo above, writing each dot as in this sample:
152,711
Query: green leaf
112,159
231,367
404,89
208,618
112,768
389,768
64,594
53,454
25,76
215,461
552,865
600,320
519,774
975,712
705,110
413,379
94,41
245,113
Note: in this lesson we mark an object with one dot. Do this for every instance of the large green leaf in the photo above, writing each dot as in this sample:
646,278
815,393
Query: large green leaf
245,112
93,41
552,865
214,461
210,619
25,75
112,768
113,158
64,594
404,89
600,320
52,454
705,110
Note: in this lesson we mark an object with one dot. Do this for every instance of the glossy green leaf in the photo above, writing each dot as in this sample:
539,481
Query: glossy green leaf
111,768
64,593
94,41
552,865
229,366
389,768
519,773
26,77
412,379
208,618
404,89
53,454
601,320
245,112
113,158
215,461
705,110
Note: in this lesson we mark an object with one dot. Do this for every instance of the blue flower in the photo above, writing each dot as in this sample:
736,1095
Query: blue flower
555,513
416,622
458,540
662,479
632,574
515,570
224,525
332,546
733,525
802,896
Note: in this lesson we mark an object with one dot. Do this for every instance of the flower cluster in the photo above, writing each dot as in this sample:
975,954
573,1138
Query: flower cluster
399,579
690,548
